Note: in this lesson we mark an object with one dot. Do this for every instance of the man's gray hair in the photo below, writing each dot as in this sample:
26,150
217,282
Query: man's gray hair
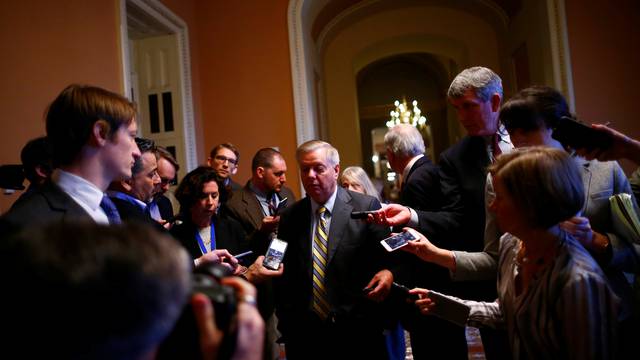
482,80
404,140
330,153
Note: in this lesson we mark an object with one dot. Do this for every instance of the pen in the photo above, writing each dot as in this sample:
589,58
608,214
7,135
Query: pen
243,254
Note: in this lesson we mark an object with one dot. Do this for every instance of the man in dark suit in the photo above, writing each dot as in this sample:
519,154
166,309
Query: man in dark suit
133,195
476,94
91,132
256,207
420,190
334,269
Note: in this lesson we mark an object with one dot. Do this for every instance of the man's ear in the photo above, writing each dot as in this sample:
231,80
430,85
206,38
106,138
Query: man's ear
337,170
127,184
235,170
210,162
260,172
100,133
495,102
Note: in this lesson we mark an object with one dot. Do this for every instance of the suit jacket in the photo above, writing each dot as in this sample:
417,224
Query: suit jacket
165,207
246,209
133,213
229,235
45,205
354,257
460,223
421,191
421,188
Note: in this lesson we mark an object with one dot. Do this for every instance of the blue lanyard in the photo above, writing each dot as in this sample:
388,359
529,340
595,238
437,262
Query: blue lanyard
201,242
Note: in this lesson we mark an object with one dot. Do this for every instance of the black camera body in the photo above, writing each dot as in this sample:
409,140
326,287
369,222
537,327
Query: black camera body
183,341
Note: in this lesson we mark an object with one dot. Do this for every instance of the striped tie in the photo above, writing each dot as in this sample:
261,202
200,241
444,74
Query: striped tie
320,304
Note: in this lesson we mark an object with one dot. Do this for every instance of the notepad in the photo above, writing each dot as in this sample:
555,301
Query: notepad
624,217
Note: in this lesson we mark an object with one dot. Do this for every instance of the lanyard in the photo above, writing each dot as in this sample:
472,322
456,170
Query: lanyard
201,242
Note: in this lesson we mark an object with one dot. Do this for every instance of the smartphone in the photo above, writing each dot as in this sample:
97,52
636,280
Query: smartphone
449,309
571,132
281,205
399,240
275,254
362,214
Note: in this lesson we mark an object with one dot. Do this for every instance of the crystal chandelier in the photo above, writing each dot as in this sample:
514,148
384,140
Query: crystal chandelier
403,115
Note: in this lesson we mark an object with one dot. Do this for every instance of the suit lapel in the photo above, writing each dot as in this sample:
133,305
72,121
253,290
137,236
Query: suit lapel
586,180
339,219
252,207
60,201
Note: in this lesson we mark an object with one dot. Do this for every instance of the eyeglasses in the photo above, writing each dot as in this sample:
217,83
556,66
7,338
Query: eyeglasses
165,181
222,159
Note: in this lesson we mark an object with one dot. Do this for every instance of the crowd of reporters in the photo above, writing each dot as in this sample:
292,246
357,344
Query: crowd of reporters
96,244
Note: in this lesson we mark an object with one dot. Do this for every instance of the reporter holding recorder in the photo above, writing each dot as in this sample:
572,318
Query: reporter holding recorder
207,236
553,299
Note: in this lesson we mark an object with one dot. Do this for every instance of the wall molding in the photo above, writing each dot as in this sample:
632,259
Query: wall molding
162,14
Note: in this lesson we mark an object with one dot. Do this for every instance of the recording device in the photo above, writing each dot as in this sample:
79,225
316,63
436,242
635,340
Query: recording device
399,240
449,309
183,341
275,254
362,214
403,291
11,177
571,132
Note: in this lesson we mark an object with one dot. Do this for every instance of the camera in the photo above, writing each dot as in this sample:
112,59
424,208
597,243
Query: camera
11,177
183,341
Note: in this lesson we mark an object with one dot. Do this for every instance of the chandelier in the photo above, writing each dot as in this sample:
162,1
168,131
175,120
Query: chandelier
403,115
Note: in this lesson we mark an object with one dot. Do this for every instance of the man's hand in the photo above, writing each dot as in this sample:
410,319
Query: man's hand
218,256
250,324
380,285
256,273
391,215
269,224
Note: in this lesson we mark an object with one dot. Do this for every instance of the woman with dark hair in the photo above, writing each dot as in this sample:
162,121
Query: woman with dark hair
553,299
201,230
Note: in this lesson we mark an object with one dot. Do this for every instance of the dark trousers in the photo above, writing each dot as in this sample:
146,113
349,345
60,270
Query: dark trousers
434,338
342,339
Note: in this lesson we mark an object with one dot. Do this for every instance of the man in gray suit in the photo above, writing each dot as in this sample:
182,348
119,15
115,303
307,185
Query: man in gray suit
335,270
91,132
256,206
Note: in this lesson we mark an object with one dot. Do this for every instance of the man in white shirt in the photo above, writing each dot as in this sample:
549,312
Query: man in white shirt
91,132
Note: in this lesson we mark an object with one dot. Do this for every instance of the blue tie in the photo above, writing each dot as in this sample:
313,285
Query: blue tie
110,210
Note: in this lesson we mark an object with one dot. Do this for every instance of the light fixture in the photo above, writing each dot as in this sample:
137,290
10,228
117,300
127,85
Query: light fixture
403,115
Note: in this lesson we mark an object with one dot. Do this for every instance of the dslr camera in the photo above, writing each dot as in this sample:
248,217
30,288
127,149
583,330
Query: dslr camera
183,341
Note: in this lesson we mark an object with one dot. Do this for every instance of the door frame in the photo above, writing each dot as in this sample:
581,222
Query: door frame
159,12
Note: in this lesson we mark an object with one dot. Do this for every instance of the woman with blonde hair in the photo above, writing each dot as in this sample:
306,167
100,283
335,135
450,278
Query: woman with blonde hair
354,178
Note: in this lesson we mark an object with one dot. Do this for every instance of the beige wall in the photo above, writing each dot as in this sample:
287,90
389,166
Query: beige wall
246,94
241,77
47,45
605,56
